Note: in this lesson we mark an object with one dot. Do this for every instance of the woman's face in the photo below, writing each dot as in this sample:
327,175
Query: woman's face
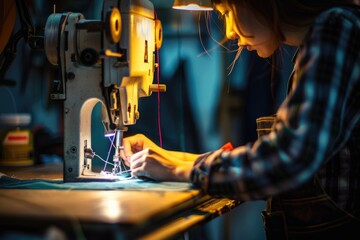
249,32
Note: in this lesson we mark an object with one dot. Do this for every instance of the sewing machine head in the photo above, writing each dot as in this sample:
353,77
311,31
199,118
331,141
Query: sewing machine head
111,61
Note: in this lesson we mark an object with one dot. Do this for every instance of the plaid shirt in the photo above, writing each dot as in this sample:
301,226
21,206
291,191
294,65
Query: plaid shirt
317,129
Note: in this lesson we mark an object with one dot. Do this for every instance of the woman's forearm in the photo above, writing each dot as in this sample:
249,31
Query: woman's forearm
185,156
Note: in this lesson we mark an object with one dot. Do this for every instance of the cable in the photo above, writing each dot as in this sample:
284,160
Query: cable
158,95
105,161
107,158
158,83
12,99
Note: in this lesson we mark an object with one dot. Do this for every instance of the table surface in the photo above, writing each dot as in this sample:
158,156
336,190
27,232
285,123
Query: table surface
161,211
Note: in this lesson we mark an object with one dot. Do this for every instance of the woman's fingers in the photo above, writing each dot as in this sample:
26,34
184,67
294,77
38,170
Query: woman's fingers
137,159
142,164
131,145
153,163
139,173
128,146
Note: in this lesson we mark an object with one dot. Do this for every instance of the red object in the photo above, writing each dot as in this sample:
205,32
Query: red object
227,146
12,138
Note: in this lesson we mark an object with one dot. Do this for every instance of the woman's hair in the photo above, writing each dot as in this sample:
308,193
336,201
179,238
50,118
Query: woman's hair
281,15
278,14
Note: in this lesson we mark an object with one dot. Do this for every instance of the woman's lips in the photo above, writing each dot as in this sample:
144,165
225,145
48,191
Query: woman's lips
249,48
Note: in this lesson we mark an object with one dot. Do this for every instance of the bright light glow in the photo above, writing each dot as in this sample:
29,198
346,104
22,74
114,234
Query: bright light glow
111,134
193,7
111,208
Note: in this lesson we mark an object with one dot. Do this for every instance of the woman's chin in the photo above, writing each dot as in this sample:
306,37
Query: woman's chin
263,54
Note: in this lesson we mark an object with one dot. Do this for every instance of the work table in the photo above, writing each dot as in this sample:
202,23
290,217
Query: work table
149,212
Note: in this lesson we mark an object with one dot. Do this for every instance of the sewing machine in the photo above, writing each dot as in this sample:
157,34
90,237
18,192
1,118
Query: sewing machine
111,61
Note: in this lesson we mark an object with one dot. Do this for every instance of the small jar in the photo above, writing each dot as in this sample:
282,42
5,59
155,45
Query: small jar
16,140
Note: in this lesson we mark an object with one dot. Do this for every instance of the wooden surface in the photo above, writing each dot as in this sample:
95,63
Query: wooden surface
123,213
47,171
120,207
115,206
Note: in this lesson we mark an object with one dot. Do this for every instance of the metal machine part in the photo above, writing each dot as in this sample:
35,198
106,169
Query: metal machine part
111,61
9,38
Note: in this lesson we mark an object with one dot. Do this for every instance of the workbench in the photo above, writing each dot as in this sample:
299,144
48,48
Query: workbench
154,210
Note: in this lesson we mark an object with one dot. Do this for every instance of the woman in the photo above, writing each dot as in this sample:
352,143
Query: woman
307,166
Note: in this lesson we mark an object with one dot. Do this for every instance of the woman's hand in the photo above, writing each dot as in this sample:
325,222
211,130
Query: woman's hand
146,159
158,165
135,144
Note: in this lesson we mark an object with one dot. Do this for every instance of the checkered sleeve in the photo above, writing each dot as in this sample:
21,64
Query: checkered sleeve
313,123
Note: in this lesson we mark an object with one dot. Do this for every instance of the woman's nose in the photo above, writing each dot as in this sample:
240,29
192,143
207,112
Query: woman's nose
231,35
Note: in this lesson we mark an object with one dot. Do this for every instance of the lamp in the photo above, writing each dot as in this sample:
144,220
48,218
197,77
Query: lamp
199,5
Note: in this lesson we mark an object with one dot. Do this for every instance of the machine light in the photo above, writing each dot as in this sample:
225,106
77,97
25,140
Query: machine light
200,5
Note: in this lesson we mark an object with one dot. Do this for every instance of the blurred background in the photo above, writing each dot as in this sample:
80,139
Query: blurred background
207,102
